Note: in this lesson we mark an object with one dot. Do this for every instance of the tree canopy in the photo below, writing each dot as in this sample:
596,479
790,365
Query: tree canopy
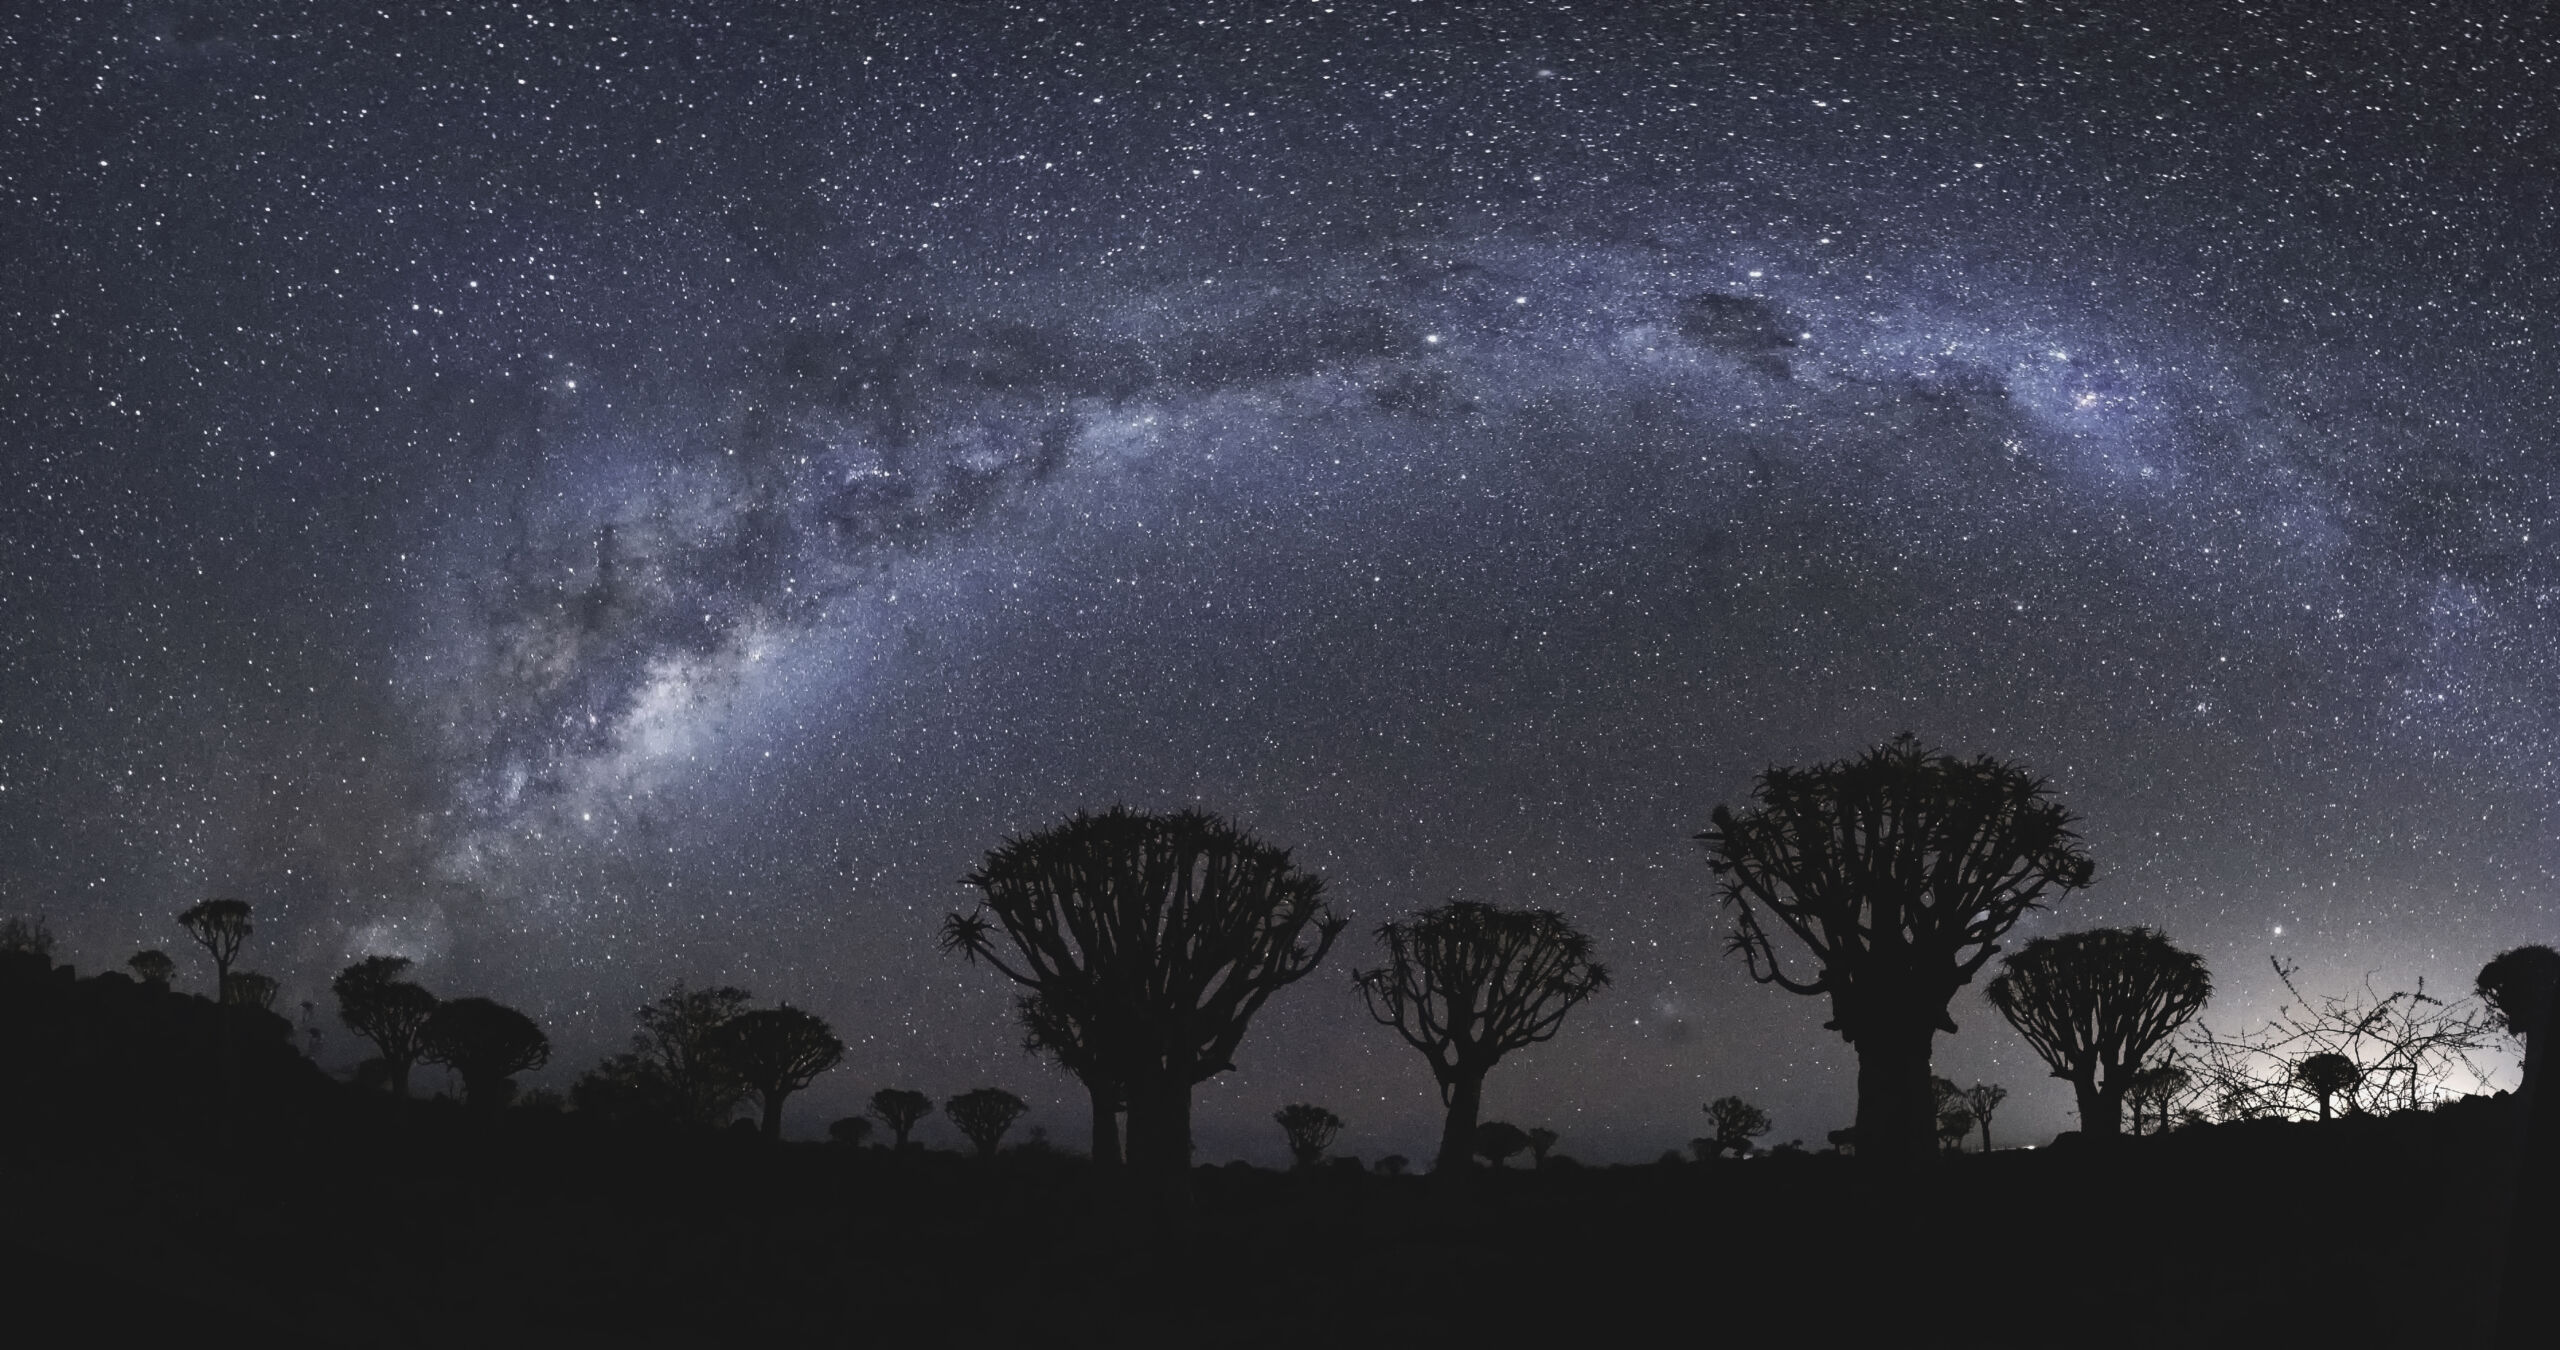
2095,1005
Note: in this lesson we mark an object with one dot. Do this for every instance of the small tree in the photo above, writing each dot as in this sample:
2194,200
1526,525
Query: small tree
900,1109
249,989
776,1052
2095,1005
218,926
983,1115
2154,1088
1468,983
2329,1074
1955,1117
1540,1140
488,1043
851,1131
2519,985
1733,1123
153,967
1393,1165
1310,1131
1983,1099
1498,1141
1898,872
377,1004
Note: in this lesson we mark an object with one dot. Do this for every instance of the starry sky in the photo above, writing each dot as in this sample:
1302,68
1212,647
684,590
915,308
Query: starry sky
586,497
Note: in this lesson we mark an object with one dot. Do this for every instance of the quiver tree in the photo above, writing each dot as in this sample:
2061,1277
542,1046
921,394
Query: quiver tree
2327,1075
218,926
1897,872
1156,938
153,967
1982,1099
900,1109
850,1131
678,1044
776,1052
982,1115
1955,1114
1468,983
2520,985
1541,1139
1499,1141
377,1004
1733,1123
1310,1130
2095,1004
249,989
486,1042
2154,1088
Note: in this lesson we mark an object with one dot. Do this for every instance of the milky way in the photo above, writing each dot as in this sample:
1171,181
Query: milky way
588,501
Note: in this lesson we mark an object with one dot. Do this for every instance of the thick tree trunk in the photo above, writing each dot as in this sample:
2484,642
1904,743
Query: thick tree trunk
1160,1127
1897,1114
2101,1110
399,1077
1106,1127
773,1116
1458,1132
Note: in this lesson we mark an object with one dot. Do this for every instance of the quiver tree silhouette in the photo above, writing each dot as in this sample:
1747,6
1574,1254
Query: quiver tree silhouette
2095,1004
2327,1075
376,1003
249,989
1733,1123
1468,983
2154,1088
218,926
1541,1139
678,1042
2521,985
486,1042
776,1052
153,967
900,1109
850,1131
1955,1115
1982,1099
1310,1131
1156,937
1898,871
982,1115
1393,1165
1499,1141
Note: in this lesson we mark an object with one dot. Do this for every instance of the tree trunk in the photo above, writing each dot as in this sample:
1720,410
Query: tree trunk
1985,1122
1458,1132
2101,1110
1160,1127
1106,1127
1897,1113
399,1077
773,1116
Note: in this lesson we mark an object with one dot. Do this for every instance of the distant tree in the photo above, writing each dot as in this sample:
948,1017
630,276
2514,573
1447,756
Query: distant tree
627,1089
2519,986
1983,1099
26,934
1156,937
679,1036
775,1052
851,1131
2328,1075
218,926
376,1003
249,989
1394,1164
1898,871
900,1109
2154,1088
1955,1116
1310,1131
2095,1004
1844,1140
153,967
983,1115
488,1043
1499,1141
1468,983
1540,1140
1733,1123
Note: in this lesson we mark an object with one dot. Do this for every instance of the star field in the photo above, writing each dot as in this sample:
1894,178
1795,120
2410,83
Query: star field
585,499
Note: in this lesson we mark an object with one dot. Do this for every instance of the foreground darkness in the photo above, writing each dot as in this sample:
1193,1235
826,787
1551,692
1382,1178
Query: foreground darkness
312,1214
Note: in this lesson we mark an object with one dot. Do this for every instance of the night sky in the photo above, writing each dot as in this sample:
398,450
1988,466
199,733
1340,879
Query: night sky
592,496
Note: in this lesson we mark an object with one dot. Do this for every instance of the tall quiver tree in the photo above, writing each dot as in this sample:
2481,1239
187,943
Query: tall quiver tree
218,926
776,1052
2521,985
1468,983
2095,1004
1898,871
1155,936
378,1004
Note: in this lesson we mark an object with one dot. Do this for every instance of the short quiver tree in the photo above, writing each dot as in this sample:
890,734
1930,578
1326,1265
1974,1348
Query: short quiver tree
486,1042
2328,1075
1468,983
249,989
1310,1130
2520,985
2095,1004
1733,1123
218,926
982,1115
153,967
1156,938
1897,872
1499,1141
2155,1086
900,1109
375,1002
775,1052
1983,1099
